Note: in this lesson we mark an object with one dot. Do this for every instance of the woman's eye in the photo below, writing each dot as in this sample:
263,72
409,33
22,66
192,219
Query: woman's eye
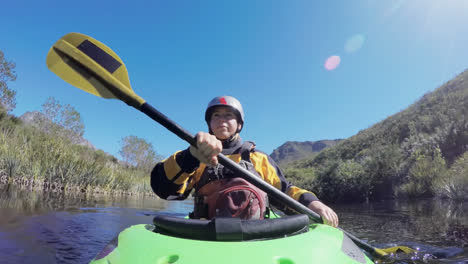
223,115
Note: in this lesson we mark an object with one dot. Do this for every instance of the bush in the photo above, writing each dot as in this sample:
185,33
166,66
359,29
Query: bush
343,181
455,183
303,177
424,175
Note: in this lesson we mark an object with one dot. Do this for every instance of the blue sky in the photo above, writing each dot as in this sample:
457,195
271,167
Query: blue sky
269,54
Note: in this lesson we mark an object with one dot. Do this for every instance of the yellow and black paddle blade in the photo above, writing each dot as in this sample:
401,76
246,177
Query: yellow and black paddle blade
399,249
93,67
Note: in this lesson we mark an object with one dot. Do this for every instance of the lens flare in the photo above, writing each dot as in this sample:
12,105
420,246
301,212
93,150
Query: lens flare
332,62
397,4
354,43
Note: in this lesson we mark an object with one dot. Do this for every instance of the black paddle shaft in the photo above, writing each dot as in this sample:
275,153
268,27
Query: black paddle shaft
255,180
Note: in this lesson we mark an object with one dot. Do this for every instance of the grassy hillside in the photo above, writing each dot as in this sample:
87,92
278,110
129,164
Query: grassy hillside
45,150
418,152
34,158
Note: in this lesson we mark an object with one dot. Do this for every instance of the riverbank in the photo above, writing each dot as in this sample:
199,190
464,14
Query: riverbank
25,184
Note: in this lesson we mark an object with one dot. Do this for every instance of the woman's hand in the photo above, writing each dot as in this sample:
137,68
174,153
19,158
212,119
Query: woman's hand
208,148
328,215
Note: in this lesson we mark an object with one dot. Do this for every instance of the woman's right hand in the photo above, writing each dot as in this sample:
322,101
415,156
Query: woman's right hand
208,148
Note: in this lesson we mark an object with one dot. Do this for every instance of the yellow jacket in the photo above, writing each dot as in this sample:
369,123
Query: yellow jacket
175,177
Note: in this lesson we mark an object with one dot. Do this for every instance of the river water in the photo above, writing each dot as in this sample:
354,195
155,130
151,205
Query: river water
37,227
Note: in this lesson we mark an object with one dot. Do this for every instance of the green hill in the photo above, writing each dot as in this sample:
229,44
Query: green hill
418,152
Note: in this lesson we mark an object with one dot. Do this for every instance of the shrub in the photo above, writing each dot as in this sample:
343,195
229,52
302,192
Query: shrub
424,175
455,183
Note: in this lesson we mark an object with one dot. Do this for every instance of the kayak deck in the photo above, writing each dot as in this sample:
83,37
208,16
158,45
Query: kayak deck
322,244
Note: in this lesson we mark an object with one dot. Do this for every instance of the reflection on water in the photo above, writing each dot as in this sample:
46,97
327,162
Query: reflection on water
438,228
25,200
37,227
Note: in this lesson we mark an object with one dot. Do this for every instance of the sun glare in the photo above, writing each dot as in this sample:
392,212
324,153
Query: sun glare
436,14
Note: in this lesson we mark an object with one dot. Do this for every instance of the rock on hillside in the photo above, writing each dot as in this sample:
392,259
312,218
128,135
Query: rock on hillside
293,150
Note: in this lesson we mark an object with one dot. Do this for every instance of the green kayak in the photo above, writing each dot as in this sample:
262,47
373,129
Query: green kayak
285,240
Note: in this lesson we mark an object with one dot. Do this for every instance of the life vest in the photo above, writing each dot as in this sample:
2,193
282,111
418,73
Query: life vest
219,193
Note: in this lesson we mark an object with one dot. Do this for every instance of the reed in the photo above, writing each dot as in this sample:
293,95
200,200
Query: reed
34,158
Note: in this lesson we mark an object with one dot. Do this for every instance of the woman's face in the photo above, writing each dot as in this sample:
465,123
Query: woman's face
223,122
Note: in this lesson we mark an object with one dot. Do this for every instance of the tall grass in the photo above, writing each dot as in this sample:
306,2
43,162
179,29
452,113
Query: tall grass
30,156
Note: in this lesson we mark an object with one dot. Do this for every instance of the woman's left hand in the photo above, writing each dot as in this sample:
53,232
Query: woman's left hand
329,216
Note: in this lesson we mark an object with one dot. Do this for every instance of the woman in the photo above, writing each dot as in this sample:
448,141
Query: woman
198,168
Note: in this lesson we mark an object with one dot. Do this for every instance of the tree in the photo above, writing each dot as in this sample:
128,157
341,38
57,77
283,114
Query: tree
138,152
65,116
7,73
71,120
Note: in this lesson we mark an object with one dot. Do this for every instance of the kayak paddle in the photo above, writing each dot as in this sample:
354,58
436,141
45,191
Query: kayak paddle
93,67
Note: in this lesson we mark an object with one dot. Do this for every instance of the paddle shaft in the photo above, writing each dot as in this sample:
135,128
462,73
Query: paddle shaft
247,175
255,180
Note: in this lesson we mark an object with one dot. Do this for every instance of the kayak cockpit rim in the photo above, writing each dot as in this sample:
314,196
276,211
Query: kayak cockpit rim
231,229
